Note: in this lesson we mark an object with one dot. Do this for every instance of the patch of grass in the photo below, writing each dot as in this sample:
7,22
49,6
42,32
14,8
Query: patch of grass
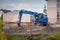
53,36
15,37
19,37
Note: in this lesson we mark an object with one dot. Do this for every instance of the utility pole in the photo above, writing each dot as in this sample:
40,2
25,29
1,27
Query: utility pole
45,10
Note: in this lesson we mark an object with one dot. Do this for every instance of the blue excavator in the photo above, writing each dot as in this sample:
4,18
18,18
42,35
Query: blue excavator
40,18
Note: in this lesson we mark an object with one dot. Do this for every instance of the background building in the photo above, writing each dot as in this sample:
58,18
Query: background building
58,11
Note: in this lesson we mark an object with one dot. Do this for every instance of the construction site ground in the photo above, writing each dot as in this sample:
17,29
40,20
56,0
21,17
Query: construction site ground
29,29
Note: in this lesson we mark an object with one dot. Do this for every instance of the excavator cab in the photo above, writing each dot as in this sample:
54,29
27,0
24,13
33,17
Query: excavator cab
41,19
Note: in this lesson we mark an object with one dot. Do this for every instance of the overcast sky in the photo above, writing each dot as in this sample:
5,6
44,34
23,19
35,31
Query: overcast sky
32,5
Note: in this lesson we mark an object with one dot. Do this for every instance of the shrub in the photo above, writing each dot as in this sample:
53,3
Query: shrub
2,35
1,23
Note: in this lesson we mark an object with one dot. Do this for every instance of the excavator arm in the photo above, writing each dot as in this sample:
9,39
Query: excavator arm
24,12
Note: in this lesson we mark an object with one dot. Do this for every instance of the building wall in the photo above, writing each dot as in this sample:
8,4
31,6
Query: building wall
11,16
14,17
52,11
26,18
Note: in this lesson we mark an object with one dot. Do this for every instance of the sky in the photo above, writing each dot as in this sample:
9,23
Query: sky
31,5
